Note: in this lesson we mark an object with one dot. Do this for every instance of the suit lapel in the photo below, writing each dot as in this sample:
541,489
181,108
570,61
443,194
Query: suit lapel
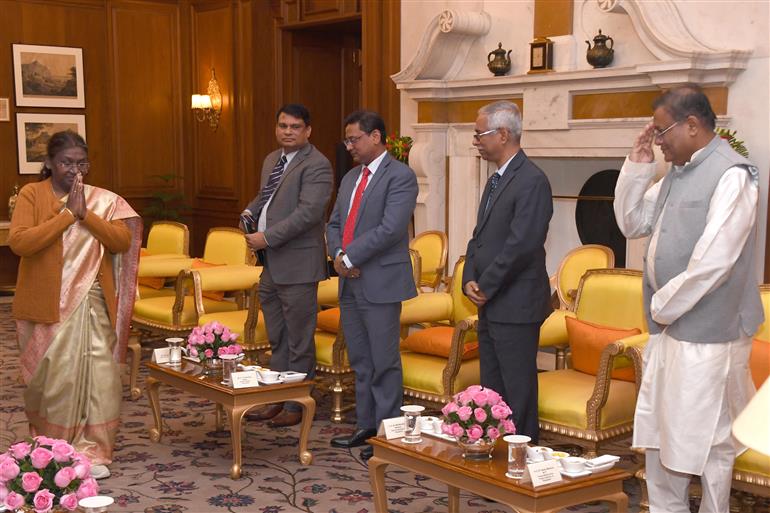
505,180
346,192
301,155
374,179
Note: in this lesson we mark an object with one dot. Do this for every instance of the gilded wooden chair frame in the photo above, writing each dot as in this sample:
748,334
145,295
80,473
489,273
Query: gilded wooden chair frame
592,436
441,269
181,226
749,485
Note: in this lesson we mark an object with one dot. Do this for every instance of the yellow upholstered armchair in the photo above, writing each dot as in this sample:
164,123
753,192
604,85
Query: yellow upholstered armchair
166,240
438,361
432,247
594,401
553,332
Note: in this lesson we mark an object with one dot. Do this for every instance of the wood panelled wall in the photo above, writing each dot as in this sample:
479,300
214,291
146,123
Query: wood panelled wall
144,58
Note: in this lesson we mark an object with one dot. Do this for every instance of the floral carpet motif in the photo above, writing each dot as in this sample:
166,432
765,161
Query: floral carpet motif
188,471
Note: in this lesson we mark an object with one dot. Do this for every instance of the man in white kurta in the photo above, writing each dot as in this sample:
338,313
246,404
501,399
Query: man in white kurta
692,386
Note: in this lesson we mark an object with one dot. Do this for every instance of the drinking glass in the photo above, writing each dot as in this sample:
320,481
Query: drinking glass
229,365
517,455
175,350
412,423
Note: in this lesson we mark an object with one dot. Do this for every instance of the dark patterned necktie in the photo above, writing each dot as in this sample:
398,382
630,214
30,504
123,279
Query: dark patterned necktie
271,185
493,181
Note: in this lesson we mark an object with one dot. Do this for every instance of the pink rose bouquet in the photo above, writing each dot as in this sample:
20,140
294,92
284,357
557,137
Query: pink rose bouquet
212,340
477,413
43,473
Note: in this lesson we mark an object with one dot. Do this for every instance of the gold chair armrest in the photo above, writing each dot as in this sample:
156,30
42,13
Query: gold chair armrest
601,392
180,290
455,352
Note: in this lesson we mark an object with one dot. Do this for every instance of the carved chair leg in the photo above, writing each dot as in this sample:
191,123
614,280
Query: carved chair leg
561,357
337,391
644,501
134,345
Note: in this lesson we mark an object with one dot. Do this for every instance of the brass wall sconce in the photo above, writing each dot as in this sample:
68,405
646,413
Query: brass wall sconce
208,106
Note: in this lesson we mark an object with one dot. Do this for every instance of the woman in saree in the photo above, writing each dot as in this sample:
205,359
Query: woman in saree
75,289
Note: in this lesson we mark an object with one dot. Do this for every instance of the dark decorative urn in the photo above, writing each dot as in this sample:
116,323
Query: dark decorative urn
600,56
501,64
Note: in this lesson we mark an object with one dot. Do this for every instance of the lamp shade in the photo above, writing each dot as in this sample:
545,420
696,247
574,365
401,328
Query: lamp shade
752,427
201,101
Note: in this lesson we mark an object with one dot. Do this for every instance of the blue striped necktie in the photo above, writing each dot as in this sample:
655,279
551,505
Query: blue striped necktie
493,181
271,185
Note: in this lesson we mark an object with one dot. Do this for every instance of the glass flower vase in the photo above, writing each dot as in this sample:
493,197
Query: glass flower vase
477,450
212,367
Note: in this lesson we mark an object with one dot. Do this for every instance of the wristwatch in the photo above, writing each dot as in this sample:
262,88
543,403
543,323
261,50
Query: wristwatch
342,260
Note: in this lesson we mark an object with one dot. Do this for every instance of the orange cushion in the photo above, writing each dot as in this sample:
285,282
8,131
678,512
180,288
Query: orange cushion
143,252
437,341
153,283
759,362
211,294
329,320
588,340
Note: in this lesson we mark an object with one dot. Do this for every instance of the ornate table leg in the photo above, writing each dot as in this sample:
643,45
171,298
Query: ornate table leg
454,499
377,478
235,416
219,417
618,502
152,392
308,412
134,345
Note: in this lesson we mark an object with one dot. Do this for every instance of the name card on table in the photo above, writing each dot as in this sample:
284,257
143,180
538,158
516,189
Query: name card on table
542,473
161,355
244,379
392,428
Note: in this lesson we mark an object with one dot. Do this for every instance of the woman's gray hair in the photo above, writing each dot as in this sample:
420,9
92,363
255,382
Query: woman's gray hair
503,114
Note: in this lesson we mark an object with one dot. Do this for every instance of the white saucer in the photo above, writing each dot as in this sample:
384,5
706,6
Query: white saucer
573,475
276,382
600,468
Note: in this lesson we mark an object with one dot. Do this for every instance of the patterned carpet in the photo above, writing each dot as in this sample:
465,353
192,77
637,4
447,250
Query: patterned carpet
189,470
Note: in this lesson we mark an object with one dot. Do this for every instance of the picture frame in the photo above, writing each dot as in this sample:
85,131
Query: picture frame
541,55
48,76
33,132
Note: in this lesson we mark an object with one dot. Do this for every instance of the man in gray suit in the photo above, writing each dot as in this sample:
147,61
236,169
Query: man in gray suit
505,273
368,236
284,225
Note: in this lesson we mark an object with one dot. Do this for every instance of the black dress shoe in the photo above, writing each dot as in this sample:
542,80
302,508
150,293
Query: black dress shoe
366,453
357,439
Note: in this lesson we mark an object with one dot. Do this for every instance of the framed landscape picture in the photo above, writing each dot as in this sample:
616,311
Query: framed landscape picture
48,76
33,132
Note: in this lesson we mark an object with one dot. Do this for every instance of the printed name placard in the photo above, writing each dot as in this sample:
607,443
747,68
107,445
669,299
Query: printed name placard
392,428
543,473
161,355
244,379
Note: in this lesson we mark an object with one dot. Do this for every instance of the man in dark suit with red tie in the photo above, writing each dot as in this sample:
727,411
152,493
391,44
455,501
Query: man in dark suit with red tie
285,225
505,274
368,236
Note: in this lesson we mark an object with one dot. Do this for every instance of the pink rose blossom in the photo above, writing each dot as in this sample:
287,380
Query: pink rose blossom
193,352
14,501
480,414
40,457
475,432
225,335
69,501
209,338
8,469
30,481
44,440
216,327
88,488
457,429
493,397
20,450
450,407
222,351
3,493
82,466
236,349
43,501
65,476
474,388
509,427
62,451
233,336
493,433
481,398
499,411
464,413
208,353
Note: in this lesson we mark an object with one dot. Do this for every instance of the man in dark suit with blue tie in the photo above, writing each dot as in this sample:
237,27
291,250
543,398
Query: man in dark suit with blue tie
505,274
368,236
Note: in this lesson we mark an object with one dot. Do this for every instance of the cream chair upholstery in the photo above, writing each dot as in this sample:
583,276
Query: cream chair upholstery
167,239
432,247
434,360
592,408
553,332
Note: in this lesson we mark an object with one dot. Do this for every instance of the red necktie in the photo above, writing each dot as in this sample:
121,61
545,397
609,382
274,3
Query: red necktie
350,223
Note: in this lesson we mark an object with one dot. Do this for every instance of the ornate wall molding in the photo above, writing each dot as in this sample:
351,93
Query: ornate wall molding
445,46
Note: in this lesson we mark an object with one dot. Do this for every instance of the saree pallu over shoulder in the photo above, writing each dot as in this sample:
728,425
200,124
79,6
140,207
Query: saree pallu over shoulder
84,257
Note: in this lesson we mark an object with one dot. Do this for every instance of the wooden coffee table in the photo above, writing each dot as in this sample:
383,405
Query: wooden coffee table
443,461
236,402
